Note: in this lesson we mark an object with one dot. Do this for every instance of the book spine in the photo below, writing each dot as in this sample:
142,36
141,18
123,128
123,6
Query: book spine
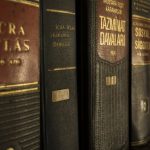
140,72
59,79
108,74
19,79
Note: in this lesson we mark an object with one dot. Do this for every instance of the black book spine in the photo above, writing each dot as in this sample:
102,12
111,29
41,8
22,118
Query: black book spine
19,79
59,79
140,72
107,73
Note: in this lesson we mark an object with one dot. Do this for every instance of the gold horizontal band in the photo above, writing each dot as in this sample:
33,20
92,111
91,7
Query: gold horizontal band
60,11
63,69
141,64
15,92
141,17
18,85
34,4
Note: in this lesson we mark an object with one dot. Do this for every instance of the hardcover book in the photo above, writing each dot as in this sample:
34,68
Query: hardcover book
105,64
59,79
140,72
19,79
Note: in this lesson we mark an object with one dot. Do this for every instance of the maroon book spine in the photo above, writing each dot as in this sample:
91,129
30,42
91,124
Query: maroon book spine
19,79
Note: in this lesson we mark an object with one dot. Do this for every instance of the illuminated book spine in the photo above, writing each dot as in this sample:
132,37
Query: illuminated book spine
59,79
140,72
106,54
19,79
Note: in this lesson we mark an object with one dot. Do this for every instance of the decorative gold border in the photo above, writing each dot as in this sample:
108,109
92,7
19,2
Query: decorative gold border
141,142
63,69
60,11
14,92
141,17
34,4
18,85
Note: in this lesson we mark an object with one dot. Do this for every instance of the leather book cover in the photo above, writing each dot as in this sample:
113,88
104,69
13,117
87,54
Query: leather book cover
140,72
104,59
59,75
19,79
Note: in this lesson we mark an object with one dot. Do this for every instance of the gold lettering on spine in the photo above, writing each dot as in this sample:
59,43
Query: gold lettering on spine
14,43
112,39
17,43
11,28
114,6
142,35
21,31
2,62
17,46
26,45
141,44
112,24
5,45
141,32
112,30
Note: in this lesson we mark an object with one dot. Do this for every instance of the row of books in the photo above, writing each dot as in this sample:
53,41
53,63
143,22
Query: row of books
74,74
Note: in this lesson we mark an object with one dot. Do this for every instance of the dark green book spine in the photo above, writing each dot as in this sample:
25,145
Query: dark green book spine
140,72
59,79
105,64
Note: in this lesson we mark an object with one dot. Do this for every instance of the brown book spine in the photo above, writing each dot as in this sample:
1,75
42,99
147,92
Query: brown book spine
140,72
19,79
